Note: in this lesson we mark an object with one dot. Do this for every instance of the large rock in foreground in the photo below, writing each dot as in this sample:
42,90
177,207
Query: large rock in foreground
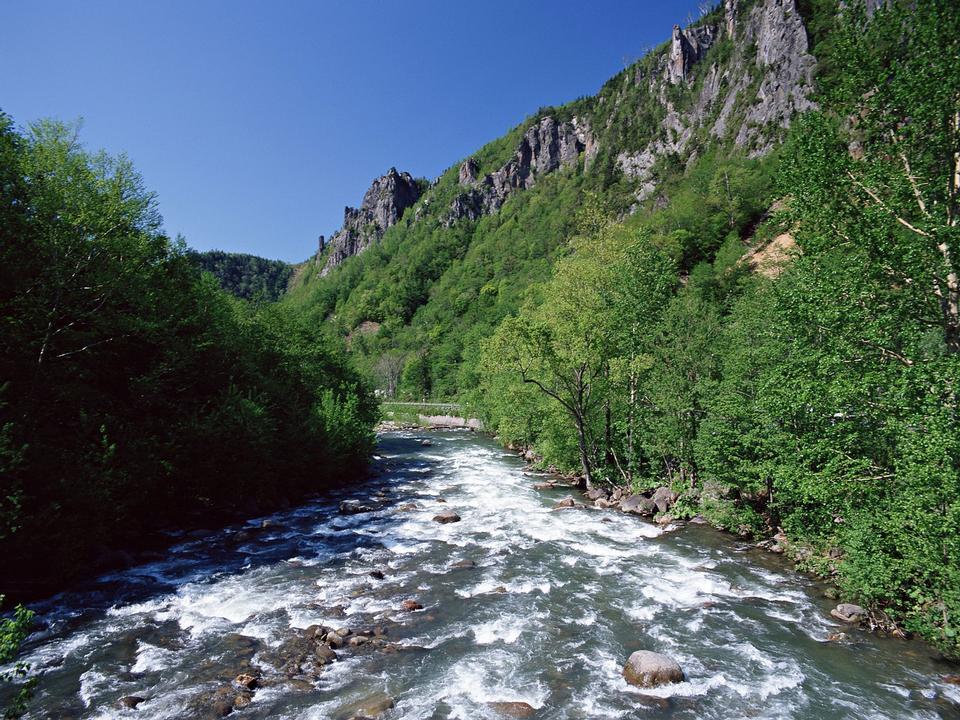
649,669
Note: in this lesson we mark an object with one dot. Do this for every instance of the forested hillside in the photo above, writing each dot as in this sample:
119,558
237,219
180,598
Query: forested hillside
732,271
135,393
246,276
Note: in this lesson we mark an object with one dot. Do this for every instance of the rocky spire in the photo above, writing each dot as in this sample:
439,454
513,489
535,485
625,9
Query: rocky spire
383,205
730,14
686,48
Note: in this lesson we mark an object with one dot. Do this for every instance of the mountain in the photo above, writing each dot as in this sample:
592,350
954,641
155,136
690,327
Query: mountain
724,288
433,267
246,276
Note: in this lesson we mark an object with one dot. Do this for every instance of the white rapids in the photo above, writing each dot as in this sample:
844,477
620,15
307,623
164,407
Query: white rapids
556,603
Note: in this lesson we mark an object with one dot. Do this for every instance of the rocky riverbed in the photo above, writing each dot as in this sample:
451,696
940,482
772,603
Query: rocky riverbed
447,586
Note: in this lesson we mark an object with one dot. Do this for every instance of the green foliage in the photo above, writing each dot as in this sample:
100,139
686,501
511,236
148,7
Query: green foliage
641,348
13,631
136,393
246,276
823,402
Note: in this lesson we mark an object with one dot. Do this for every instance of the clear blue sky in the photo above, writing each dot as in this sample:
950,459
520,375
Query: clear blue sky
256,122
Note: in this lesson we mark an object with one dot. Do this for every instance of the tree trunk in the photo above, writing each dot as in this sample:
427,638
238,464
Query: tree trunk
586,482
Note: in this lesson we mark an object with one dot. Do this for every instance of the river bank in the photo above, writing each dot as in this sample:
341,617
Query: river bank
515,610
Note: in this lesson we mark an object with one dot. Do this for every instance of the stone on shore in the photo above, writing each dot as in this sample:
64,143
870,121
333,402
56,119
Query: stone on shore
664,498
849,613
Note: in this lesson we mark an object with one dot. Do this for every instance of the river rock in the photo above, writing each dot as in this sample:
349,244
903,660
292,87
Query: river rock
372,706
246,680
597,493
544,486
650,669
216,703
513,709
567,502
376,574
325,654
130,701
464,565
447,516
664,498
849,613
638,504
352,507
412,605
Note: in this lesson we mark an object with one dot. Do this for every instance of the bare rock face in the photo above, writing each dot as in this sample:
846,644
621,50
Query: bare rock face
649,669
782,62
468,172
730,16
782,55
544,148
382,207
686,48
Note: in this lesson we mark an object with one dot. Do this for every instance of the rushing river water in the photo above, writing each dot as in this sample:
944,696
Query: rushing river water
557,602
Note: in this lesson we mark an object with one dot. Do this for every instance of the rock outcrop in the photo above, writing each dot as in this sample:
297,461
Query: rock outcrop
686,48
544,148
382,207
746,100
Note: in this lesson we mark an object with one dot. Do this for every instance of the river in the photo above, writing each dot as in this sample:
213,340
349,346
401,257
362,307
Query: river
556,603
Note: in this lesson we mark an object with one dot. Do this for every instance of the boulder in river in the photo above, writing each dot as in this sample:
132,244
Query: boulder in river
246,680
411,605
376,574
464,565
352,507
370,707
567,502
447,516
513,709
650,669
131,701
849,613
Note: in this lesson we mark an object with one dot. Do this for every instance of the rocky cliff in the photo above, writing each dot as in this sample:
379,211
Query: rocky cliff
733,80
545,147
383,205
748,98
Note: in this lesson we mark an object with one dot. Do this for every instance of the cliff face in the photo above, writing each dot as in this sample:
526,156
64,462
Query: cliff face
383,205
747,99
545,147
733,80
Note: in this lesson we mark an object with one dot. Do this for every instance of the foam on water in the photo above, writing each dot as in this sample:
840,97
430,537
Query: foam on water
557,603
